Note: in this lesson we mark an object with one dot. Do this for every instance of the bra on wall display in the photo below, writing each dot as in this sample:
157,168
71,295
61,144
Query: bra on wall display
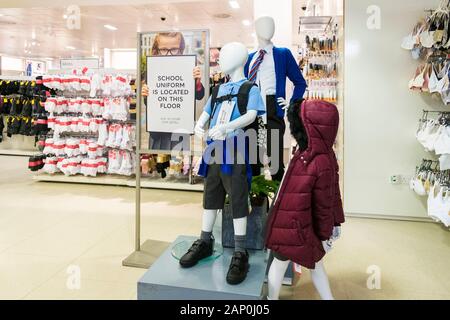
433,183
90,131
429,42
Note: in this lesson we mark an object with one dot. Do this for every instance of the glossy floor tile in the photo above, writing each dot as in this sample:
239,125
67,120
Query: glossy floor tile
67,241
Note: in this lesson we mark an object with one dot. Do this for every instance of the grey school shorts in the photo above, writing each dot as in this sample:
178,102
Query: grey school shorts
218,185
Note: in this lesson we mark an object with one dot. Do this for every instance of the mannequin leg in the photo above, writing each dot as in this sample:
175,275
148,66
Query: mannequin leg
320,280
240,234
208,221
275,278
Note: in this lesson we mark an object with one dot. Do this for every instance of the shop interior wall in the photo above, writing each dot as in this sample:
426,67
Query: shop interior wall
380,112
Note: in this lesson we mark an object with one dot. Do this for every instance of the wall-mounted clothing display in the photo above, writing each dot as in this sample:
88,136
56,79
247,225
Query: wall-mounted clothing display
429,42
434,183
90,128
21,107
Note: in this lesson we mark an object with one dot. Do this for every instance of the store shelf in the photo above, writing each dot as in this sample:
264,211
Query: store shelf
115,180
175,153
13,152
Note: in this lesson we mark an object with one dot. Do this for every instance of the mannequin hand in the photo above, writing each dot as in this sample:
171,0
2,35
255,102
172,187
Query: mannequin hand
283,103
197,73
327,245
145,90
199,131
336,233
218,132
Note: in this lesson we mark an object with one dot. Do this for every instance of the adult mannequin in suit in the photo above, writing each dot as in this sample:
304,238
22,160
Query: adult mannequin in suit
270,75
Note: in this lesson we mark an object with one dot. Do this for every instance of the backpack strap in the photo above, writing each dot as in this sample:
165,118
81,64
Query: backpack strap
243,96
214,94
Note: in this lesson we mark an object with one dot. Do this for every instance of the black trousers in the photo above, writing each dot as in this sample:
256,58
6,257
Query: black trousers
275,123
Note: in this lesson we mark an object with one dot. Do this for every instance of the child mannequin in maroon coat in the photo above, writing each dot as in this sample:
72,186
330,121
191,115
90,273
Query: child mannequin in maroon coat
307,212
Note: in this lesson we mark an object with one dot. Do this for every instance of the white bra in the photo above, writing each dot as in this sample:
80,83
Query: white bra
433,81
427,39
442,144
432,137
417,81
417,185
444,162
439,206
408,42
426,135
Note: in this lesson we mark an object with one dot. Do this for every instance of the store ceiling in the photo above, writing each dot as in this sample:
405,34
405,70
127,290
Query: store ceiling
43,32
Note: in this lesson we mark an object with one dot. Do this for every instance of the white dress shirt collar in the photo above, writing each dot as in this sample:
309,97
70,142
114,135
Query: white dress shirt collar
268,48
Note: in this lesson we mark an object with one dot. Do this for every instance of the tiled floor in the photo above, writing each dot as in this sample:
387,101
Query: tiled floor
50,233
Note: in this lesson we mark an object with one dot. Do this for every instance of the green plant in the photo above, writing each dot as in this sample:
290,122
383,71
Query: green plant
262,189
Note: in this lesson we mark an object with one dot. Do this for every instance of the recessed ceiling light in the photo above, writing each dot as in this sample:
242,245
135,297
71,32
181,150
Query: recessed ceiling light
64,16
70,47
110,27
246,22
234,4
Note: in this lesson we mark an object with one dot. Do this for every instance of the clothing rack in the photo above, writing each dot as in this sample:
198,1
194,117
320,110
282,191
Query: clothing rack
17,152
93,71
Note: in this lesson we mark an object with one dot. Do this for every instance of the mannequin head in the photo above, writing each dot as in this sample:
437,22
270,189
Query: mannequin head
233,56
265,28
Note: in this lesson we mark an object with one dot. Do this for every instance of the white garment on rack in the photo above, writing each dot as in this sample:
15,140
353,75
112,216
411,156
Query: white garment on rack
85,83
107,109
442,144
50,165
92,150
50,105
95,85
48,148
102,133
83,146
444,162
51,121
59,146
72,148
114,161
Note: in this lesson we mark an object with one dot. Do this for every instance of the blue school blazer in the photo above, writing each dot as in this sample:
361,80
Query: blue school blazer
285,66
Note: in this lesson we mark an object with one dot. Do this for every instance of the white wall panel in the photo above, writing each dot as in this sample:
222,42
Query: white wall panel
380,112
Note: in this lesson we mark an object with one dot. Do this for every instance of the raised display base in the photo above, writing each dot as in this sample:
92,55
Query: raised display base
206,281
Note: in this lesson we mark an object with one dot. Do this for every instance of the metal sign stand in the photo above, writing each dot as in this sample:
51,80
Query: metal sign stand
146,253
143,255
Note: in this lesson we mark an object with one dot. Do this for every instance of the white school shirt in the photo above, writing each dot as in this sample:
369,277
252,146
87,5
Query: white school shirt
266,77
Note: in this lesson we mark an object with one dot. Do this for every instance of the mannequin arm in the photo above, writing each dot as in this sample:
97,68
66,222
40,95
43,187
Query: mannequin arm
294,74
220,131
201,122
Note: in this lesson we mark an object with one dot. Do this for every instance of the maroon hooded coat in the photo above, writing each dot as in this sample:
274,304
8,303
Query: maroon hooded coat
308,204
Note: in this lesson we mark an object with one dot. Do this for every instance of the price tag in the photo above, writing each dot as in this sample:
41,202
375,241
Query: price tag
226,110
297,268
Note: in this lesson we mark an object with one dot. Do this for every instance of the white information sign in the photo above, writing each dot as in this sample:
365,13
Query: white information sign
171,100
90,63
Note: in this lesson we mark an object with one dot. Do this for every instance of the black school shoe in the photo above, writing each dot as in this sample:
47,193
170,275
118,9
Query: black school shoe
238,269
199,250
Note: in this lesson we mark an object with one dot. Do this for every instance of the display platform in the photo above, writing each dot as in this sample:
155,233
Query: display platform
206,281
112,180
